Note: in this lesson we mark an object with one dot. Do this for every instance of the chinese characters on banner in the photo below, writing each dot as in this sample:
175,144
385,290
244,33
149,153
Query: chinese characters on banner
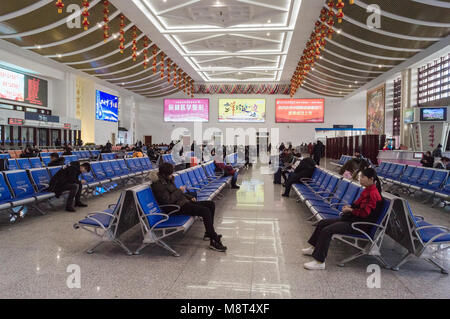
186,110
299,110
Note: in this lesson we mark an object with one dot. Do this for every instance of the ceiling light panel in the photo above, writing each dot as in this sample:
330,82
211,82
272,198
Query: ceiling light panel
232,36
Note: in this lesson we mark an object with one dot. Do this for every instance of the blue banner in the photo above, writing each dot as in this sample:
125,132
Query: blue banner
107,107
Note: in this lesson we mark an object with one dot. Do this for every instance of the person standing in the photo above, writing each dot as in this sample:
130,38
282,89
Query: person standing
437,152
318,152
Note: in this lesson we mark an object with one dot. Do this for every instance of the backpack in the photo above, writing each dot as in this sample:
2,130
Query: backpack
3,164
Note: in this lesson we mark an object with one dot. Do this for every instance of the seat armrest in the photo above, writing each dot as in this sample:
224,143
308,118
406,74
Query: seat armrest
175,210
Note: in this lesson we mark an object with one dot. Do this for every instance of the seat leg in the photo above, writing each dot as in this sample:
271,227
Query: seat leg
164,245
91,250
353,257
405,258
383,262
138,251
443,270
38,209
119,243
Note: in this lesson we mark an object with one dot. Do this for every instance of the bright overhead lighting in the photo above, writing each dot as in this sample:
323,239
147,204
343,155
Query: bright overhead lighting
338,31
268,34
59,56
269,21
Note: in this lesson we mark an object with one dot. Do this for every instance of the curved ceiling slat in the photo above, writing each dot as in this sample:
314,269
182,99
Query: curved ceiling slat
334,78
364,53
24,11
350,68
343,73
99,44
75,37
328,81
405,19
435,3
305,87
48,27
318,85
357,61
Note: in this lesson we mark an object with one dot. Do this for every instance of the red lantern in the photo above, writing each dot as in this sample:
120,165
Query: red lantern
145,51
105,20
169,69
122,34
175,75
162,65
155,52
85,14
134,47
340,5
60,5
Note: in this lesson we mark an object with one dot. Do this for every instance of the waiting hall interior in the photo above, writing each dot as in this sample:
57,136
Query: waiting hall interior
224,149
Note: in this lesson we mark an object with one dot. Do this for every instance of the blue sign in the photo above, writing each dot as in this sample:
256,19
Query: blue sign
41,117
107,107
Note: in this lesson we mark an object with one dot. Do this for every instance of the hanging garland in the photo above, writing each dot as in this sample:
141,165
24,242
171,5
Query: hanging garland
122,34
169,66
145,51
192,88
134,47
105,20
60,5
85,14
155,52
175,75
162,65
323,27
240,89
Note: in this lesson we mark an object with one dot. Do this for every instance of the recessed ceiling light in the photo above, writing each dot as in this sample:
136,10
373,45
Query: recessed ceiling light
123,83
39,47
379,66
356,82
338,31
59,56
268,34
269,21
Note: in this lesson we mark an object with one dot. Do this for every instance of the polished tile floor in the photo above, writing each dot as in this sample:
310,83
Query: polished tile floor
264,233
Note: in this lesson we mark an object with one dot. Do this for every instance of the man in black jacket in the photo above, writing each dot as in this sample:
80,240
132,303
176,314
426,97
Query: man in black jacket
56,160
305,169
66,179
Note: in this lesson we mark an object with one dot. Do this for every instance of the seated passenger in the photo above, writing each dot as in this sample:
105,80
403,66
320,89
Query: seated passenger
442,163
56,160
137,152
228,170
67,179
366,208
286,160
427,160
167,193
305,169
67,150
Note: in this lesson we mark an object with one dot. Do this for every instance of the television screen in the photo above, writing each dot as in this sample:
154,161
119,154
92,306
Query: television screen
186,110
433,114
242,110
36,91
408,116
107,107
11,85
299,110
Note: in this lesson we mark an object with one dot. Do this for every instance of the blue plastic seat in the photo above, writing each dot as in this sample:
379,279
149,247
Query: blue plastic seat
12,164
35,162
40,178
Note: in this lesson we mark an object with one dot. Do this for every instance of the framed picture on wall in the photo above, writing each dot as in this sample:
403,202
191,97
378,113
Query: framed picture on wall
376,110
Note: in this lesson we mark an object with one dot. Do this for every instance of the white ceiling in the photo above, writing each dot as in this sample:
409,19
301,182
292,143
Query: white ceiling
229,40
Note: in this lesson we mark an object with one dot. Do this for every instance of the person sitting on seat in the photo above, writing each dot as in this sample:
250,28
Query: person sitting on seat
366,208
286,160
67,150
166,193
28,152
427,160
67,179
305,169
137,152
56,160
228,170
442,163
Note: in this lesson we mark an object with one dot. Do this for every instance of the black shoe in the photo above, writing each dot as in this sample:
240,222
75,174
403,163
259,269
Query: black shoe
80,204
235,187
285,195
217,246
206,237
70,209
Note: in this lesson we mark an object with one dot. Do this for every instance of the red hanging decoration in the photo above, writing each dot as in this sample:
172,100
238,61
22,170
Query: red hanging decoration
188,88
175,75
85,14
145,51
169,69
192,88
180,80
134,47
340,15
162,65
105,20
122,34
60,5
155,52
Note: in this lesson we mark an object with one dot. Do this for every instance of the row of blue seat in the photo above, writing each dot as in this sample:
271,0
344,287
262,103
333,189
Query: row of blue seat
35,162
342,160
435,182
156,224
325,195
19,188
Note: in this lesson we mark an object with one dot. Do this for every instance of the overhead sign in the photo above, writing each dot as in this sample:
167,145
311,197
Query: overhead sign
41,117
299,110
14,121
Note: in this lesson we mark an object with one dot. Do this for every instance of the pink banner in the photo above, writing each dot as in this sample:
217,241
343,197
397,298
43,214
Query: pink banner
186,110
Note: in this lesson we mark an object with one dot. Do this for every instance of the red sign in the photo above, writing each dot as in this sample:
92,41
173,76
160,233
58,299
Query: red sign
67,126
299,110
12,121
